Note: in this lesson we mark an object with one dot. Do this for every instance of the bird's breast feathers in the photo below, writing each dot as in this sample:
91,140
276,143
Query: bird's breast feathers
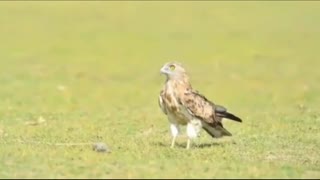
169,104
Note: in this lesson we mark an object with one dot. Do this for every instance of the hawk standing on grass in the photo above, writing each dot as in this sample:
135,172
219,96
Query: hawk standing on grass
185,106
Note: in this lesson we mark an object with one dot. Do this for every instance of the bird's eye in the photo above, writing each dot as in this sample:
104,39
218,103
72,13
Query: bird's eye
172,67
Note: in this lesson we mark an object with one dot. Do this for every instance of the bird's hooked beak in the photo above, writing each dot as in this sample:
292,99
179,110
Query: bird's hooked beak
164,70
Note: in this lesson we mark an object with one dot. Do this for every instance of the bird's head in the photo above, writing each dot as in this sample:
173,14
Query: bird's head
173,70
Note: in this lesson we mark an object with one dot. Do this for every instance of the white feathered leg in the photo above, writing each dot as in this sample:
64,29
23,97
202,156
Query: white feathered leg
174,132
193,129
191,133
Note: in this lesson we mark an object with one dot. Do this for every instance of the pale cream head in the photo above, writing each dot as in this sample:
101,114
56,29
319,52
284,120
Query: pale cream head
173,70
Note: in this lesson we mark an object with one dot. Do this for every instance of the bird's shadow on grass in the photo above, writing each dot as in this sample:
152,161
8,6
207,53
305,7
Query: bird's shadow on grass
183,145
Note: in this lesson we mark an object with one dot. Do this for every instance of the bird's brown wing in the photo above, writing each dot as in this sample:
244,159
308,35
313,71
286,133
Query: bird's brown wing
161,102
204,109
200,107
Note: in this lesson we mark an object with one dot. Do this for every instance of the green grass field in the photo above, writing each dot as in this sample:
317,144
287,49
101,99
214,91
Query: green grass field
91,71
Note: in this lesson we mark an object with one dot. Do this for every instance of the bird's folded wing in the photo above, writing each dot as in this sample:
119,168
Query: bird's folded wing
198,106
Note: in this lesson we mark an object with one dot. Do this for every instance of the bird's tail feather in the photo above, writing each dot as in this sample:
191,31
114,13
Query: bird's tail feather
217,131
230,116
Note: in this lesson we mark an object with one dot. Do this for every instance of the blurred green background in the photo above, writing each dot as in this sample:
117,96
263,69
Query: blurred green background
91,71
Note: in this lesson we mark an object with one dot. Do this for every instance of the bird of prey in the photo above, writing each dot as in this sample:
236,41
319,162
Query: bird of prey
185,106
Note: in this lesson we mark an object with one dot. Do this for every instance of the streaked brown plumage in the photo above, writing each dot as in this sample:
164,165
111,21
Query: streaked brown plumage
185,106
